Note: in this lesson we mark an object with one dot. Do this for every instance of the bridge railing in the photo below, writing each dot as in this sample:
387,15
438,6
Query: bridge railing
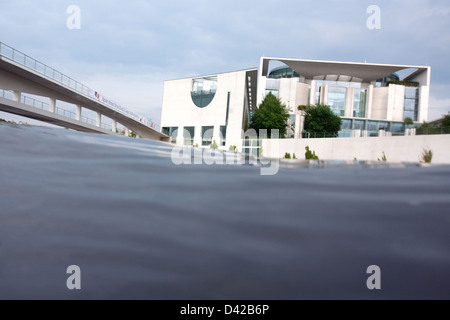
48,72
7,94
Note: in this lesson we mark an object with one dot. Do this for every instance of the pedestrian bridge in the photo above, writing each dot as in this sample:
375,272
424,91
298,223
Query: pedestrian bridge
22,76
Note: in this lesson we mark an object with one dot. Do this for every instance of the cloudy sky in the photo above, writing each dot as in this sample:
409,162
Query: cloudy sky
126,49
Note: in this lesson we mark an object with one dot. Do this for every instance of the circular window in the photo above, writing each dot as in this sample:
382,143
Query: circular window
203,90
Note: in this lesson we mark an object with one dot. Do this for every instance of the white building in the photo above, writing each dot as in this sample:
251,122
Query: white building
370,98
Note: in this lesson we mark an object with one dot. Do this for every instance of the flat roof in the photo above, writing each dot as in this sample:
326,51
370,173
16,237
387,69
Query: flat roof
364,71
215,74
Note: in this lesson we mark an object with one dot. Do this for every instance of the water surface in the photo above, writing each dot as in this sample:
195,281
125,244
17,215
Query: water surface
140,227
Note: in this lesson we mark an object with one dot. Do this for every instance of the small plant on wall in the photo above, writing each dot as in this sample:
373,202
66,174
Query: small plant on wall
310,155
383,158
427,155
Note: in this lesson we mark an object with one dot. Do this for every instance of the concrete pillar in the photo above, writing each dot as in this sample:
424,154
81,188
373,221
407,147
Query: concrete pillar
324,94
114,126
99,119
127,132
349,99
369,101
17,96
312,97
78,113
298,124
52,105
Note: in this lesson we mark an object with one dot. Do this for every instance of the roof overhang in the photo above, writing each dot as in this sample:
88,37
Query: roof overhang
362,71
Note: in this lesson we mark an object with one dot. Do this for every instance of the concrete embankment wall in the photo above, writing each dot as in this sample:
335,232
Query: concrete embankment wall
396,149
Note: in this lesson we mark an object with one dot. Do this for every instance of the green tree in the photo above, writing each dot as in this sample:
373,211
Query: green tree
270,114
320,118
445,122
408,121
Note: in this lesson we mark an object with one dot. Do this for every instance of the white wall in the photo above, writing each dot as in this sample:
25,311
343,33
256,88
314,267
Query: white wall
379,103
396,103
179,110
397,149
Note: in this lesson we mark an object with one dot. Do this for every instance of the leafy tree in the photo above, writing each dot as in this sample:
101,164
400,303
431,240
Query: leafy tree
270,114
320,118
408,121
446,121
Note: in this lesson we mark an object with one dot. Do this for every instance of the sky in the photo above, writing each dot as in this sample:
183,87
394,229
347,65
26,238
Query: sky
127,49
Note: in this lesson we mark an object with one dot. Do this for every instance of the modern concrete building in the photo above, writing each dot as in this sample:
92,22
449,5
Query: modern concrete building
201,110
372,99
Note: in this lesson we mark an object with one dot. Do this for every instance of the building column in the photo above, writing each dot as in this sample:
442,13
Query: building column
114,126
369,101
127,132
298,124
324,94
78,113
99,119
349,99
312,96
52,105
17,96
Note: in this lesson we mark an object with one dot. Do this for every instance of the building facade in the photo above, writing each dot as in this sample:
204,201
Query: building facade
371,99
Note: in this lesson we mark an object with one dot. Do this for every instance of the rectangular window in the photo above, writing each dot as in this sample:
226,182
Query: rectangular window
346,124
207,135
188,135
359,107
359,124
228,107
223,135
411,107
172,132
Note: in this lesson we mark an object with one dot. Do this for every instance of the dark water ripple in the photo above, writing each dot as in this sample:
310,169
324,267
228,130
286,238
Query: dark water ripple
140,227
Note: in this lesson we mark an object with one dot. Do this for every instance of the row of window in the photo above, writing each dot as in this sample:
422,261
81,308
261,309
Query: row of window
207,133
337,91
371,126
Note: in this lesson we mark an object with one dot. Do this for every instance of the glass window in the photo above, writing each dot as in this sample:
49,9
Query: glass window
172,132
397,127
203,91
358,124
410,105
188,135
372,126
346,124
359,107
410,92
207,134
383,126
408,114
223,135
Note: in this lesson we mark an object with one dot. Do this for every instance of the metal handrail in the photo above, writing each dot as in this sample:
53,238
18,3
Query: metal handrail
54,75
45,106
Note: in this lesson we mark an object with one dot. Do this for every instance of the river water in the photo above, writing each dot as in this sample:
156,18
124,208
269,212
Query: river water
140,227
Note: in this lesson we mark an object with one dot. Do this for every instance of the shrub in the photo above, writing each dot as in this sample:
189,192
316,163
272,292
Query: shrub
214,145
383,158
427,155
310,155
287,156
294,157
408,121
233,148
